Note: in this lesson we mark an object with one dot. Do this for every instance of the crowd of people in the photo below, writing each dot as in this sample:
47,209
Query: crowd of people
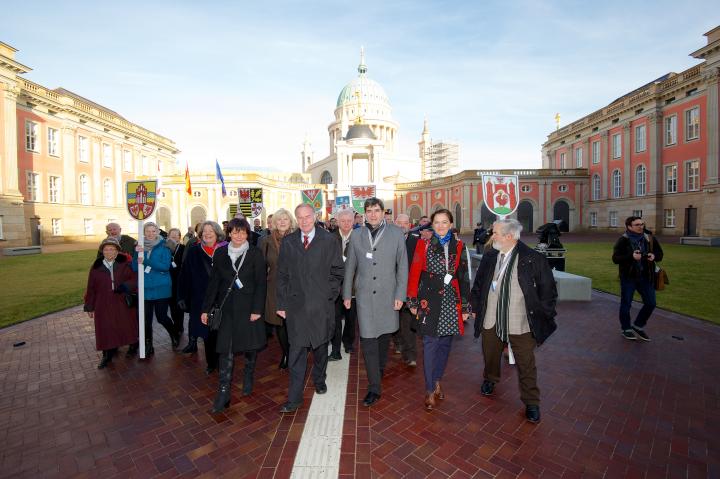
316,286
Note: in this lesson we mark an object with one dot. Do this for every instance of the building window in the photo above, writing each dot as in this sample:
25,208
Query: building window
127,160
88,226
84,190
669,216
562,188
233,193
671,130
637,213
33,186
523,188
593,218
617,145
692,175
2,235
107,192
197,194
106,155
640,180
612,215
692,124
53,136
54,189
578,157
31,136
617,184
596,187
562,161
671,179
56,225
640,138
83,149
596,152
144,165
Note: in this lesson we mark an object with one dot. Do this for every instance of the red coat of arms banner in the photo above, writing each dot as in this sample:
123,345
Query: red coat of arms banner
141,198
313,197
359,194
501,193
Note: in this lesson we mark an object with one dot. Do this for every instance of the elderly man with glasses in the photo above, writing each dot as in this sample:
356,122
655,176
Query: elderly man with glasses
636,253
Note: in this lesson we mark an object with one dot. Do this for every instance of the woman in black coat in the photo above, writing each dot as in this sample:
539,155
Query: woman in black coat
177,249
238,282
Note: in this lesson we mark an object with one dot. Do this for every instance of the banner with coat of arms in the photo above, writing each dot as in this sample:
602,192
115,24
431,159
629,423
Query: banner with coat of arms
342,203
250,202
359,194
313,197
141,198
501,193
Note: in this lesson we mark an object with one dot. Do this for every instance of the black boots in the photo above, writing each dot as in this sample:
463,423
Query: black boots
283,362
132,351
149,349
107,356
249,376
222,400
191,347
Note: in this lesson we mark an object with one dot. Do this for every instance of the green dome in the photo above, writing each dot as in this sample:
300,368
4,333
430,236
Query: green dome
370,93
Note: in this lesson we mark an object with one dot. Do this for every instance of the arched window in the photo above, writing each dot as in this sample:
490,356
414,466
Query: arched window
326,178
617,184
640,180
84,190
107,192
596,187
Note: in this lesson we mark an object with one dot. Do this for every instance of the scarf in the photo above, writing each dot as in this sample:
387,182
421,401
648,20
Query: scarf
210,250
235,253
443,239
503,306
375,230
148,245
109,266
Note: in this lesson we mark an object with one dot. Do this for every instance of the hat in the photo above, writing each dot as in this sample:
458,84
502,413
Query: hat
111,242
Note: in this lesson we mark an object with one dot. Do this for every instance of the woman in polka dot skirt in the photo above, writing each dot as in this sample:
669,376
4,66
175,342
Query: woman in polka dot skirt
438,292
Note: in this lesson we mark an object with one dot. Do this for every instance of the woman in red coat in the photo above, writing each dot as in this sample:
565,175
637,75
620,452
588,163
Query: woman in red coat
438,295
111,278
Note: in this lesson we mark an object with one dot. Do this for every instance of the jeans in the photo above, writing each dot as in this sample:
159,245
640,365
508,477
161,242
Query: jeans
435,357
647,292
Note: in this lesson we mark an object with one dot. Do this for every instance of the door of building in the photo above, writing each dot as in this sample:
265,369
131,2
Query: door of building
35,230
690,221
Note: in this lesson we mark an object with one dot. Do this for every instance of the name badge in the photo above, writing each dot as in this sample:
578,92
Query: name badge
344,258
147,269
368,255
238,283
173,264
448,278
494,285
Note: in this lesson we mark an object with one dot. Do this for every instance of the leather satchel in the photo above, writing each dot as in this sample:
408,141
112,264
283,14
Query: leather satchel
661,278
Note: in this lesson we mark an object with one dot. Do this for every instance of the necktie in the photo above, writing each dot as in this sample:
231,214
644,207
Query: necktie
502,259
306,241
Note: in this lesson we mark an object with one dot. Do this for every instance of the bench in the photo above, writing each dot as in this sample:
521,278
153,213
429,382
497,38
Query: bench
701,240
22,250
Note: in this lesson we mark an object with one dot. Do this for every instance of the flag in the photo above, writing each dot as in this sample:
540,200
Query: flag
188,187
312,197
359,194
219,176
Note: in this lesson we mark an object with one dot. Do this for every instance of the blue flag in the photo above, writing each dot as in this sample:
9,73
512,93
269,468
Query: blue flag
219,176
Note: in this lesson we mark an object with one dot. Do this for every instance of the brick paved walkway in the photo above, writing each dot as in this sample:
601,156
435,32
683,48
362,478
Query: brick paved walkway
611,408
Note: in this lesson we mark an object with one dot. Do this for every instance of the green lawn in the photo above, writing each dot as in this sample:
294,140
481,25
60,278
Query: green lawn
33,285
692,271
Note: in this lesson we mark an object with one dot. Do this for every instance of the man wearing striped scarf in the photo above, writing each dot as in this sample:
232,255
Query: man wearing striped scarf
513,298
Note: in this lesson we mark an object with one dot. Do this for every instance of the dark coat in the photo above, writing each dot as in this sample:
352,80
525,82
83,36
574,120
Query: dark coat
628,267
271,251
237,333
308,282
536,281
479,236
193,283
115,324
176,257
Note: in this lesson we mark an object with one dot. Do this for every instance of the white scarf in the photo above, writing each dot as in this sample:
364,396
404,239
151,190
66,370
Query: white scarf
109,266
235,253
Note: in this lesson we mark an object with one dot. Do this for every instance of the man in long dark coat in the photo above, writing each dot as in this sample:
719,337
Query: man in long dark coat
310,271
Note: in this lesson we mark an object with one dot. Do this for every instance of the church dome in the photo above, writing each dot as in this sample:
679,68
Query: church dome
371,93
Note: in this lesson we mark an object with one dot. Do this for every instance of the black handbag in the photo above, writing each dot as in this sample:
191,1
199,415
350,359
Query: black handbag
131,299
215,313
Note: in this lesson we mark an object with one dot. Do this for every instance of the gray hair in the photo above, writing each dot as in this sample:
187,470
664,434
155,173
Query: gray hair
510,226
282,212
304,205
216,227
345,212
149,224
174,229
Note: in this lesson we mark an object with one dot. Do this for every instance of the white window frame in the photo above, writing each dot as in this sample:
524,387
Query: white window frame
563,188
671,176
670,130
107,155
613,219
56,226
127,160
54,189
197,194
640,138
638,213
692,175
596,187
617,184
617,146
108,192
640,180
692,124
562,161
88,227
596,152
32,138
53,141
84,189
593,218
669,218
83,152
578,157
525,188
32,181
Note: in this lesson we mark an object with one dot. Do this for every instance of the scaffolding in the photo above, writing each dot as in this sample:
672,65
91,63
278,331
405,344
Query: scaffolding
441,159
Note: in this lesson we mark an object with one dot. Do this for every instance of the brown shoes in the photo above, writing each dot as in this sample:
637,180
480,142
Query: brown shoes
430,401
438,391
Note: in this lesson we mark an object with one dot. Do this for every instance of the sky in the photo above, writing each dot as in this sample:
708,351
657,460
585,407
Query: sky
246,82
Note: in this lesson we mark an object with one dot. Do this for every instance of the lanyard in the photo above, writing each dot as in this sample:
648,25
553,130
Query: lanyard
109,266
242,260
377,238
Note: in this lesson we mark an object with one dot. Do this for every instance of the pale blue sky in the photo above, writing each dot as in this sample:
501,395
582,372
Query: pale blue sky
245,81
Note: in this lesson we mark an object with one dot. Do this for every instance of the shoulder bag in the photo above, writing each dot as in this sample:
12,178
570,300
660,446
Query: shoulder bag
660,276
215,313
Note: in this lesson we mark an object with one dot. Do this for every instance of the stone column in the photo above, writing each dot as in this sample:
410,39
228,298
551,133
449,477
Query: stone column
712,78
69,160
604,165
655,140
626,157
9,182
542,207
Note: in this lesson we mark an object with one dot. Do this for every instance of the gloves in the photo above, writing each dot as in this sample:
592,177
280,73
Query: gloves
181,304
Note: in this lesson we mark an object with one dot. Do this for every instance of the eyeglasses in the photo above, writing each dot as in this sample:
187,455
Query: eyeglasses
638,224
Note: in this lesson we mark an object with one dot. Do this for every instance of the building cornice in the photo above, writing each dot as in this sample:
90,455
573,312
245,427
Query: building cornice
476,175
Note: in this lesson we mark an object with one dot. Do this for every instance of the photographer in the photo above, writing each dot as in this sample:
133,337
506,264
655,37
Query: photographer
636,253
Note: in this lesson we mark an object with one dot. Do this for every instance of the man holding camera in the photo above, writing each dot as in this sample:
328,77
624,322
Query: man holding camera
635,253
